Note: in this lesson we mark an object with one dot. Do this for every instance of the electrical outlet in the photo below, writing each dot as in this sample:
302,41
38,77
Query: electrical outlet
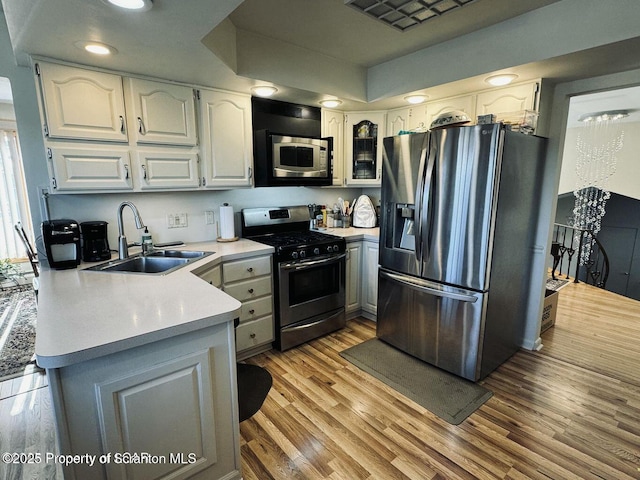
177,220
208,217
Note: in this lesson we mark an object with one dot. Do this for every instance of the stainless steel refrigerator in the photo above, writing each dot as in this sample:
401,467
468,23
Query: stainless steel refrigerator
458,221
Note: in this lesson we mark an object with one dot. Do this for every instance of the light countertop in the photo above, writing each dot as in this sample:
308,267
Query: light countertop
354,234
84,314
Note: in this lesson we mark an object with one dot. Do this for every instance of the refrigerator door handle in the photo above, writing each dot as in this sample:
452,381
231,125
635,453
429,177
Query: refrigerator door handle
424,214
422,169
423,285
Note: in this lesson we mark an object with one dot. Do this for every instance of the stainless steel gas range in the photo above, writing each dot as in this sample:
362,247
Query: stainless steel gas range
309,271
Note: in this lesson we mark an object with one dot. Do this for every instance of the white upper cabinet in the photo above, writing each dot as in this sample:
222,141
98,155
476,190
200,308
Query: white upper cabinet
81,104
398,119
333,126
465,103
77,168
167,169
162,113
407,118
507,100
227,139
364,132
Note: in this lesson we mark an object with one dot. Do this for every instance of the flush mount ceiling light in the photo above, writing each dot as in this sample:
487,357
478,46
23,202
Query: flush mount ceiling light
405,14
137,5
415,99
502,79
331,103
603,116
264,90
97,48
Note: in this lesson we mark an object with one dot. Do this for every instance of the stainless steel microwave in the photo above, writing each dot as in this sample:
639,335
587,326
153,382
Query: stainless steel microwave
287,160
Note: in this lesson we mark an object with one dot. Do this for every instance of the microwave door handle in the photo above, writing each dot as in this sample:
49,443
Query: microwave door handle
312,263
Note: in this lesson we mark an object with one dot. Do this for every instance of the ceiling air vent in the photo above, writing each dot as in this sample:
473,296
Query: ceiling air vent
403,14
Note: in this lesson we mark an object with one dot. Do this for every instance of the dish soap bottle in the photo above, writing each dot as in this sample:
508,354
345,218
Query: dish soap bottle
147,242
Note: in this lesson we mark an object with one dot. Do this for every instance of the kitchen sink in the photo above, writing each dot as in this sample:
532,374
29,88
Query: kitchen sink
157,262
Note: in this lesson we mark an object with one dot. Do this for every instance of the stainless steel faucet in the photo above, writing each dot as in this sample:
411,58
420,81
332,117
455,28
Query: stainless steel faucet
123,248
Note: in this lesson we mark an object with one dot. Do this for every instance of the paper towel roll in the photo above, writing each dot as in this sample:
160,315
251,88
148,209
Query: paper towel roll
227,227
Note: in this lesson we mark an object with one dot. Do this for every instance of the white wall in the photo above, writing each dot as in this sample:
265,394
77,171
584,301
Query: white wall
626,179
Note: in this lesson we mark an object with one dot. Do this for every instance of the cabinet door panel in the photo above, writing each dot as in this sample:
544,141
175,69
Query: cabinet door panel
507,100
370,277
212,275
82,104
466,104
167,169
333,126
77,169
353,281
163,113
131,406
363,148
227,143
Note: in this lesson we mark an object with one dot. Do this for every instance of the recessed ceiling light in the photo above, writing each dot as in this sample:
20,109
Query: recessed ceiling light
502,79
97,48
138,5
415,99
264,90
331,103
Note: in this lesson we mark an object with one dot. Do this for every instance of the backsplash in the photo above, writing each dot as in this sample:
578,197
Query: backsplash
154,208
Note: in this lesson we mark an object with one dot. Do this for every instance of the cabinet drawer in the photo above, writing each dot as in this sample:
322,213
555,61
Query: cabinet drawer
254,333
249,289
253,309
245,269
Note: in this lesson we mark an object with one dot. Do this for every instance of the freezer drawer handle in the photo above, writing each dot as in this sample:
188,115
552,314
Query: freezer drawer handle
419,286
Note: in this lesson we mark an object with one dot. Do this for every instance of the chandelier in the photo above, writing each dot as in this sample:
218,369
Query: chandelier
598,143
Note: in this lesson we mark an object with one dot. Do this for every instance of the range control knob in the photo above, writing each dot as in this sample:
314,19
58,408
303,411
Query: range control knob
303,253
336,249
294,255
316,251
330,249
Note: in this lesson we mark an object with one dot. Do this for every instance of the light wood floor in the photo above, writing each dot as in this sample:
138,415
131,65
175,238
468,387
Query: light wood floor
569,411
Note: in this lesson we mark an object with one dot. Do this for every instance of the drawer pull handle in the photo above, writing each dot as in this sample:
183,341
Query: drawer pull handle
250,269
251,290
252,311
252,335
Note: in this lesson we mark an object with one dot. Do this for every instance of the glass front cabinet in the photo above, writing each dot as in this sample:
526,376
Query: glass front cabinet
363,147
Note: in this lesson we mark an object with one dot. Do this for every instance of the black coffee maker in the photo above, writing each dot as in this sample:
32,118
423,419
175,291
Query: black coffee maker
62,243
95,246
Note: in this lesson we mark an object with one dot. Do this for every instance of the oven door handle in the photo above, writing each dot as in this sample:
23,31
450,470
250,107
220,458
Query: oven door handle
312,263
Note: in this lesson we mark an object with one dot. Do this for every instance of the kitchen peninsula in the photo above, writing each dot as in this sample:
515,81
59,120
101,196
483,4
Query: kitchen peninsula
144,364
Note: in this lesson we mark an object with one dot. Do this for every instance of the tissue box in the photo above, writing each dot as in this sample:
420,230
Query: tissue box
549,309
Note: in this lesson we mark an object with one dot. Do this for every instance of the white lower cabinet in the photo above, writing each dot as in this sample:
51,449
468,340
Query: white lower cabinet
250,281
370,277
354,279
167,409
362,279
